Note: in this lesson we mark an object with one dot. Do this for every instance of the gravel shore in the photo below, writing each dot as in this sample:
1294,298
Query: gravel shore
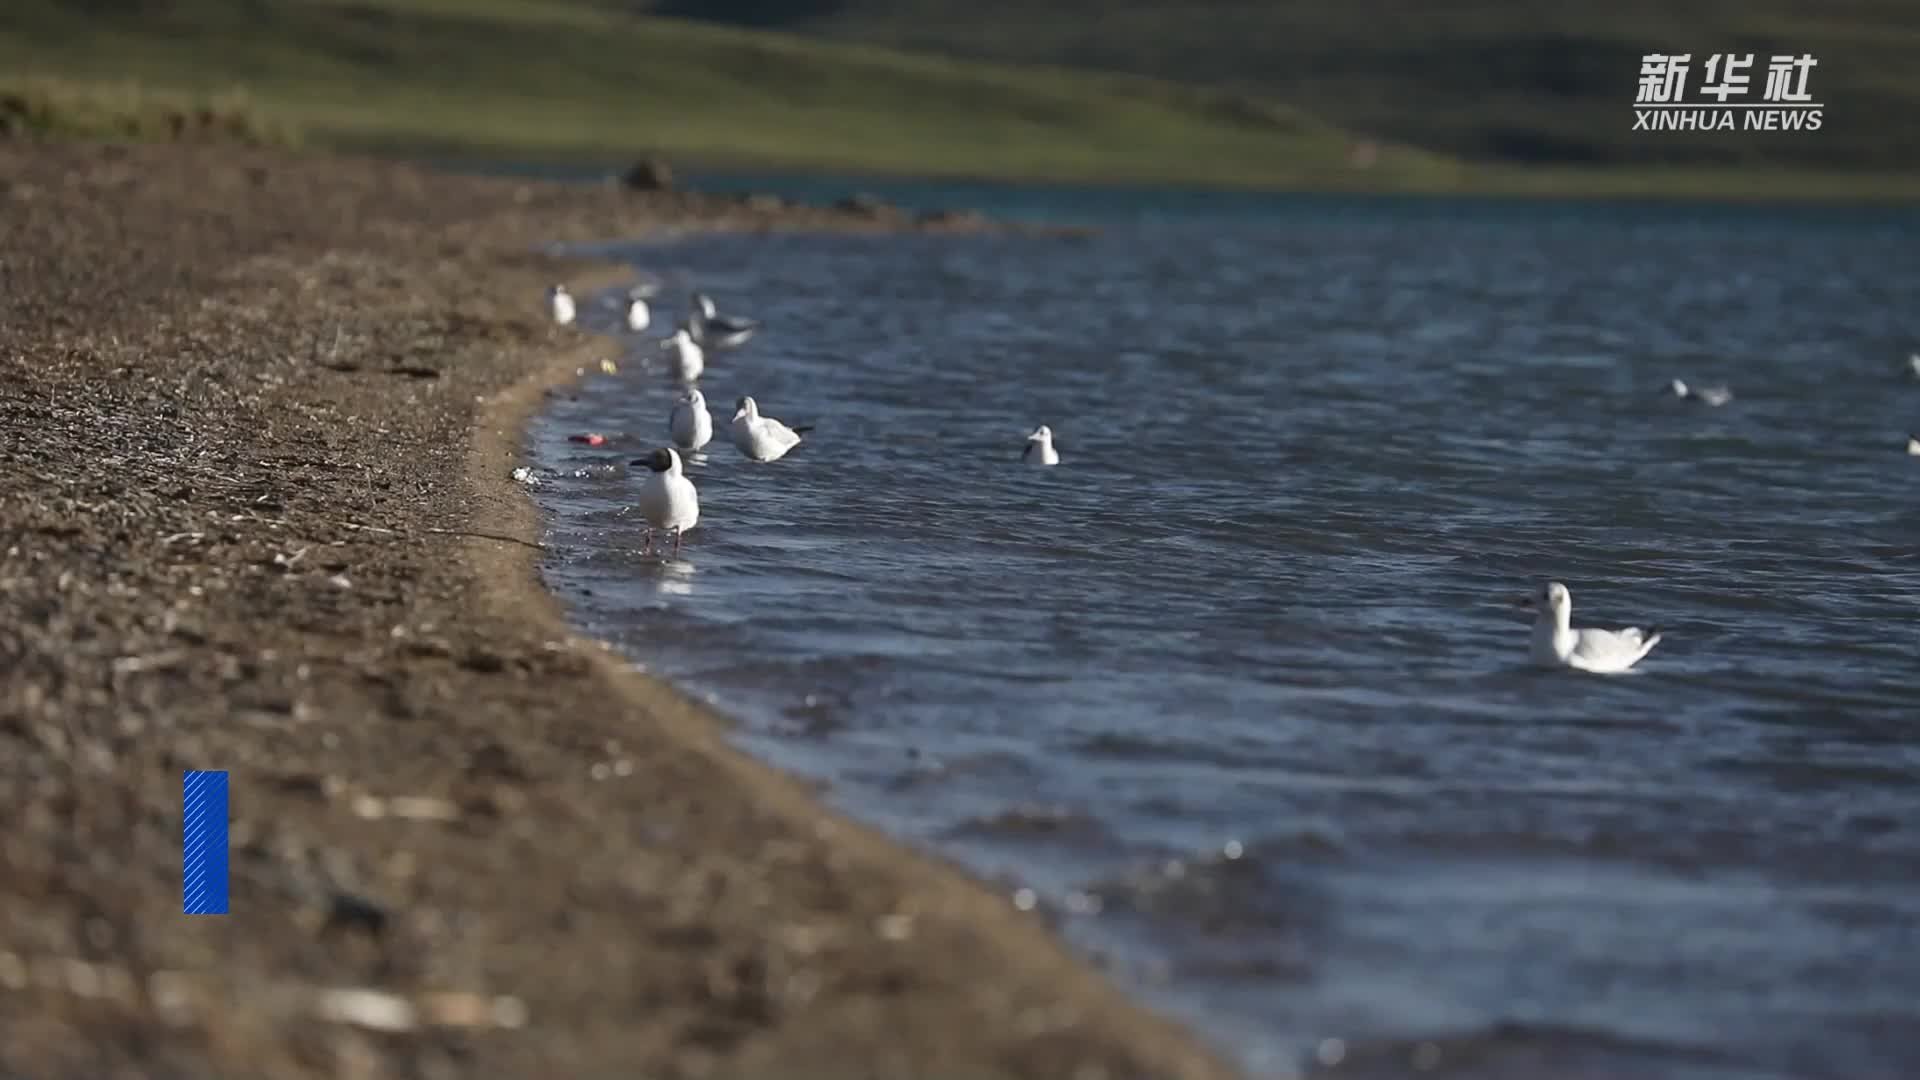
258,418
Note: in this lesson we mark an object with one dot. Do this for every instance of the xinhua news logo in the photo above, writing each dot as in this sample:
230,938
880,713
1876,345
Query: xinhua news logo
1663,103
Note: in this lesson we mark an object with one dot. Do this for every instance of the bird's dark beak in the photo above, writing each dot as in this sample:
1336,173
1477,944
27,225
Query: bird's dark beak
640,461
1526,602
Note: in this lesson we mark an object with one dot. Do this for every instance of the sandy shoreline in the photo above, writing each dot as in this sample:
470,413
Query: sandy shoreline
256,410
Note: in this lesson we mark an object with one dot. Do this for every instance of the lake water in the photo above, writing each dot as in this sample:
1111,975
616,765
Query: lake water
1239,689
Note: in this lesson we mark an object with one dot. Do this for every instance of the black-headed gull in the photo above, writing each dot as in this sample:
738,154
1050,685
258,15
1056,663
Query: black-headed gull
560,305
668,499
1040,449
690,423
720,331
1712,396
763,438
1557,644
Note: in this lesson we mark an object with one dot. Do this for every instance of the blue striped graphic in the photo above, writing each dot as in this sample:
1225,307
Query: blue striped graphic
203,843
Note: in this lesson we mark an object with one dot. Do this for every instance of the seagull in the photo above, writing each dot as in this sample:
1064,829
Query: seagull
1557,644
1913,445
638,317
690,423
667,498
763,438
560,302
722,331
688,359
1913,364
1040,449
1712,396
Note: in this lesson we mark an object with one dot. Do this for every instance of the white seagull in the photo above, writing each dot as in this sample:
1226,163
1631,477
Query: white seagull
1557,644
720,331
763,438
1712,396
1913,445
638,316
686,358
560,303
1040,449
690,423
667,498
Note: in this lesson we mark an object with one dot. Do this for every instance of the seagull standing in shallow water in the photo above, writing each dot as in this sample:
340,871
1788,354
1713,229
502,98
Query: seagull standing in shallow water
721,331
690,423
668,499
1557,644
560,303
763,438
1040,449
686,359
639,317
1711,396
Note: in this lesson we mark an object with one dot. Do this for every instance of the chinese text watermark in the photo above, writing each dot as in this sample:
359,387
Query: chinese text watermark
1724,100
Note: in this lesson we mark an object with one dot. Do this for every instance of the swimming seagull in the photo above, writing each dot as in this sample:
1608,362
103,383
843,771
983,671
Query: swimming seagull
721,331
1712,396
1913,365
685,358
1040,449
1913,445
763,438
667,498
560,302
690,423
638,316
1557,644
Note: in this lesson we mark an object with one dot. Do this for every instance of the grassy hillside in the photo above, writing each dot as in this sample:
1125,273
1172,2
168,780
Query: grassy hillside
574,78
591,79
1501,80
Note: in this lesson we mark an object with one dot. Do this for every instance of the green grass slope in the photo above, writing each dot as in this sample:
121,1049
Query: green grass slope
1517,81
604,79
576,79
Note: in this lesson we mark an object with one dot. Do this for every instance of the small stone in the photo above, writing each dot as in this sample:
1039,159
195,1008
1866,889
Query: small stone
864,204
374,1009
650,173
346,911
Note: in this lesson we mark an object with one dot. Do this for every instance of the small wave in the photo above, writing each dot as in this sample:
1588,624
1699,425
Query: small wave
1512,1050
1030,821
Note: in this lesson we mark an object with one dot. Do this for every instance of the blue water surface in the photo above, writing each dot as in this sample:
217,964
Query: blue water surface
1238,689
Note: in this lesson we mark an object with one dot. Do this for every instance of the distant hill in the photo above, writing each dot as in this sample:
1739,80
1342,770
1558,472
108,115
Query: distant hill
1235,93
1532,81
586,80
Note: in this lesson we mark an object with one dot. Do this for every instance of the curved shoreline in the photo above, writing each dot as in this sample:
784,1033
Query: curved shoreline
260,516
940,901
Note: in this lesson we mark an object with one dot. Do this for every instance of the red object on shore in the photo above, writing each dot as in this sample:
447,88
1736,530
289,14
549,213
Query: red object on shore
595,439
